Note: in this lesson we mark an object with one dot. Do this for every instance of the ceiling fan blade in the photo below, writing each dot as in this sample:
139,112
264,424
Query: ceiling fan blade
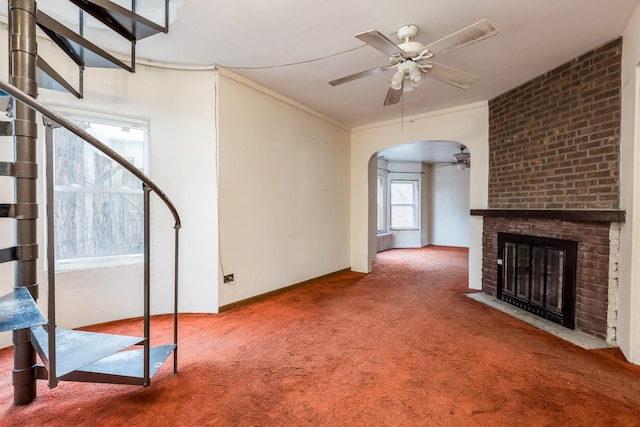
380,42
359,75
393,96
465,37
449,75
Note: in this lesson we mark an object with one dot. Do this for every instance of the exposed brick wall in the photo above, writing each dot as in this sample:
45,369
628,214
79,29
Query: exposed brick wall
554,141
593,263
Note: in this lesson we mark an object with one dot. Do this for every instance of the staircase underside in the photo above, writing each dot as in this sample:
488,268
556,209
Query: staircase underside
124,22
84,53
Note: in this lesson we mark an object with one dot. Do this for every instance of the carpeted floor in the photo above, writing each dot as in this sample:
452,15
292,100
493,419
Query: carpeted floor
402,346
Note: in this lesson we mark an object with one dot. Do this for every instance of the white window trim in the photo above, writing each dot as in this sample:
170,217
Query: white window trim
381,211
416,205
78,264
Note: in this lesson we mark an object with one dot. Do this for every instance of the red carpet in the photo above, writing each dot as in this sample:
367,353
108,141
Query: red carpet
402,346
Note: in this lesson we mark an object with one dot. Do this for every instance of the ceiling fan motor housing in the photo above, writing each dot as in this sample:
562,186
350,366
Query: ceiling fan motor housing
412,48
407,32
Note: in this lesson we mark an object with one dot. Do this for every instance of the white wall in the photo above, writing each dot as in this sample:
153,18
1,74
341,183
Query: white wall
629,282
180,106
468,125
284,191
450,206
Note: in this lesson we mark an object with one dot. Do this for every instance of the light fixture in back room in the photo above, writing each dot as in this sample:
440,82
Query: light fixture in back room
462,160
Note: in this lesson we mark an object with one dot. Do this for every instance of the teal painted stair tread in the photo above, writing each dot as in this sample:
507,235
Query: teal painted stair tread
77,349
125,367
18,310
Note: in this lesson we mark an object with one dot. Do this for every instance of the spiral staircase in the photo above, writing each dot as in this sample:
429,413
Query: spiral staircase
66,355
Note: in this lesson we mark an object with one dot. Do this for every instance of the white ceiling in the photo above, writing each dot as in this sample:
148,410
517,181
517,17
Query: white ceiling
534,36
428,152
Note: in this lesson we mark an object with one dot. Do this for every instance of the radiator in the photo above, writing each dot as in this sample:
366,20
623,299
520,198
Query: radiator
385,241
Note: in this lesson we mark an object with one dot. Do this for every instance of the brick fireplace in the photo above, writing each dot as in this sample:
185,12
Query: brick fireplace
597,261
554,147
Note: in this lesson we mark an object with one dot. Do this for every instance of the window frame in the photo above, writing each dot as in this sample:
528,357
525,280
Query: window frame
381,204
415,205
105,261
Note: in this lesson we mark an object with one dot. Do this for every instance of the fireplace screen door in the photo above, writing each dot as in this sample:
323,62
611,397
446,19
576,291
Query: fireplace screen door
538,274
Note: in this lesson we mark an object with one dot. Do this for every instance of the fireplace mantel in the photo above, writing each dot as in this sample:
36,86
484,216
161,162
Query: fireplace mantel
593,215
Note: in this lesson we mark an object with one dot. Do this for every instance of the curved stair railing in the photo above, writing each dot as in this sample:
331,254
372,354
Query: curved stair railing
107,363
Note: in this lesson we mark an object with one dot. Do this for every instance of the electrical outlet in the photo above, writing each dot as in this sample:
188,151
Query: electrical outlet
229,279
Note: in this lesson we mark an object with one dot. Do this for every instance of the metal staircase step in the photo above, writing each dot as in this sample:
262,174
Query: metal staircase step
48,78
18,253
6,168
80,50
18,210
18,310
6,128
125,367
8,254
126,23
77,349
19,169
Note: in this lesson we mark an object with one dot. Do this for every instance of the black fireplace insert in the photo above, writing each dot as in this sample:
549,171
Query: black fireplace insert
538,274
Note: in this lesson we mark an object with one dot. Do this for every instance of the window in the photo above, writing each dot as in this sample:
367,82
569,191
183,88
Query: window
98,204
404,204
381,205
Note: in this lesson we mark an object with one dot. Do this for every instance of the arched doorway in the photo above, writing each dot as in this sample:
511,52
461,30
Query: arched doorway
468,124
422,195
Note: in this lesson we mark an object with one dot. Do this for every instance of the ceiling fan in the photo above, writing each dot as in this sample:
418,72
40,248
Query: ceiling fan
462,160
411,59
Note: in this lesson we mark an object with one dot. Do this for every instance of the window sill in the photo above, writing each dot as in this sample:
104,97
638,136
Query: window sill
97,263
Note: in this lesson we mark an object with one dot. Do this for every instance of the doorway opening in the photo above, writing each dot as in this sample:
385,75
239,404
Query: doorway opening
421,196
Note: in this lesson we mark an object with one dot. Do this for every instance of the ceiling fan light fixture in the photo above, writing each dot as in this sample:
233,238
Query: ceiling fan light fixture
416,76
408,85
461,166
396,80
462,157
